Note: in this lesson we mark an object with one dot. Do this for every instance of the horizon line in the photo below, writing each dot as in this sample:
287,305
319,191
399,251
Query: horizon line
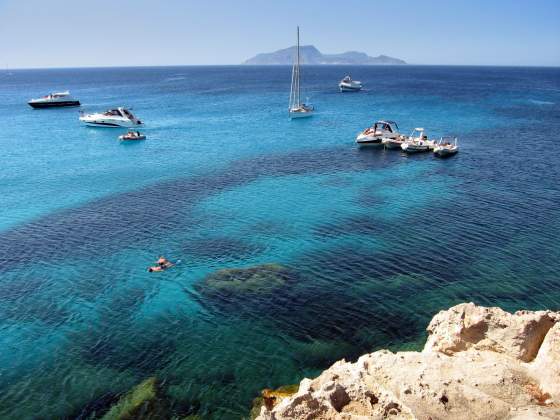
8,69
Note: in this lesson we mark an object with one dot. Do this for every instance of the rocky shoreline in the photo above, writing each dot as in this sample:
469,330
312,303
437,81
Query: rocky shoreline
477,362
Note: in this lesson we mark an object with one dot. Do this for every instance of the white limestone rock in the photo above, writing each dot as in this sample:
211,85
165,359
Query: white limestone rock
477,363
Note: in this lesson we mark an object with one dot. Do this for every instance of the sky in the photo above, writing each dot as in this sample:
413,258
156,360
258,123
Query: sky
74,33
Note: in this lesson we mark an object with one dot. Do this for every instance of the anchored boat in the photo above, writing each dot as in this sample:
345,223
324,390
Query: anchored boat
132,135
54,100
297,109
118,117
447,146
378,131
417,142
349,85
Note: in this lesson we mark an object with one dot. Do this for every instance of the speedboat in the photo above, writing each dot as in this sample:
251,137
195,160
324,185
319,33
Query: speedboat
417,142
349,85
132,135
54,100
378,131
447,146
118,117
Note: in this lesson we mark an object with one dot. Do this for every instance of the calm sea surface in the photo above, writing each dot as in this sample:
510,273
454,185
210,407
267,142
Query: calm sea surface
372,242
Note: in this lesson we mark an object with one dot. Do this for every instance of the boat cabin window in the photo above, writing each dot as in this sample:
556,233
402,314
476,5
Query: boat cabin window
383,127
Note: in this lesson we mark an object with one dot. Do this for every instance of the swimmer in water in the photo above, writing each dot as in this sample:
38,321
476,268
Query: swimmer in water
162,264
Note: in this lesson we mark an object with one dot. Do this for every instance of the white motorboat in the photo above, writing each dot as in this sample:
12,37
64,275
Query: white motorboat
54,100
417,142
349,85
117,117
132,135
447,146
297,109
378,131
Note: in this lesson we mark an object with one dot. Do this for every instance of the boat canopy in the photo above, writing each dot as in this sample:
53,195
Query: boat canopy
388,122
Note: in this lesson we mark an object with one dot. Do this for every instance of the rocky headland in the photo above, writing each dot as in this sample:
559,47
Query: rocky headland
477,363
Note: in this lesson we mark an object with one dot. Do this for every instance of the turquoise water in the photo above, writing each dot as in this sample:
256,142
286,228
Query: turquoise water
376,242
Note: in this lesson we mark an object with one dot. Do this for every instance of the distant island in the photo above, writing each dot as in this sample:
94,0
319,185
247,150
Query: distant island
311,55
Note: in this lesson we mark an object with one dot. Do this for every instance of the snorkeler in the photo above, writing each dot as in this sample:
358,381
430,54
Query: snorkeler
161,264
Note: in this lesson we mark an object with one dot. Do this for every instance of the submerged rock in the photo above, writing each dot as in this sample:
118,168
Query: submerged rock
259,280
140,403
477,363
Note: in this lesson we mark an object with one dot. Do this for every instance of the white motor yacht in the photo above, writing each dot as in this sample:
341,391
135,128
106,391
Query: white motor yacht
447,146
378,131
417,142
54,100
117,117
296,108
349,85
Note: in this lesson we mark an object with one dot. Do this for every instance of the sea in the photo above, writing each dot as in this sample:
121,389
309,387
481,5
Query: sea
294,247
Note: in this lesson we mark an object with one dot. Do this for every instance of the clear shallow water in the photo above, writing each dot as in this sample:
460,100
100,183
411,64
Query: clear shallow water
377,242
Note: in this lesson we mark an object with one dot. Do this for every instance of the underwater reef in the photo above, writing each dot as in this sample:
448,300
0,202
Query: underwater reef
234,283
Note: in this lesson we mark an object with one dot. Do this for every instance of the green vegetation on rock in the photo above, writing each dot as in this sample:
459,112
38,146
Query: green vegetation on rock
137,403
261,279
272,397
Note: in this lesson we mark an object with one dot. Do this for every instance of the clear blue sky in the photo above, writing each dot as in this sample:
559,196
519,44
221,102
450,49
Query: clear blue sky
66,33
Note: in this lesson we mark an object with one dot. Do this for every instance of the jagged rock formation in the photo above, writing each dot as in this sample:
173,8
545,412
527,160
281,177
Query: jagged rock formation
477,363
311,55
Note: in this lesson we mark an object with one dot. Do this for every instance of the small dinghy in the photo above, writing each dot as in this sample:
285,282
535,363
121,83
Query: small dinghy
447,146
132,135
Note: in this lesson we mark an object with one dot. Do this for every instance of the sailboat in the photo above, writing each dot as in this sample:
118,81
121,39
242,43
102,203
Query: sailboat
297,109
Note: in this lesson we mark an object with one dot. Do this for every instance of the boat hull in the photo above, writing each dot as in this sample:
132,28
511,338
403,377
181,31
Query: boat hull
392,144
414,148
59,104
350,88
300,114
368,141
365,139
445,152
123,138
109,123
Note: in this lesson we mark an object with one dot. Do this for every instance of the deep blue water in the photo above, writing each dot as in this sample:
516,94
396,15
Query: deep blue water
375,242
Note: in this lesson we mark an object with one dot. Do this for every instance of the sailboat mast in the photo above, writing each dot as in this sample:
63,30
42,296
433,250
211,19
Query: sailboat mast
298,91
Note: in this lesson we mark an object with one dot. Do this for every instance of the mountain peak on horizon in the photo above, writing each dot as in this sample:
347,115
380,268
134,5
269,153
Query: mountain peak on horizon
311,55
